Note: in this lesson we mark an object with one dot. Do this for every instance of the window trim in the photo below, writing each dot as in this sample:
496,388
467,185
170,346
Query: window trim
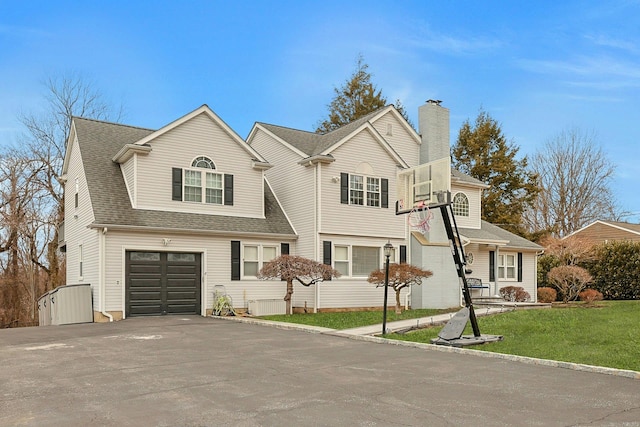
349,260
260,254
503,269
461,209
370,198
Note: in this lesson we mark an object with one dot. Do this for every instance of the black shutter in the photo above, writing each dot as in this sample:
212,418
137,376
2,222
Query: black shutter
344,188
284,249
519,266
326,254
176,184
403,254
384,186
235,260
492,266
228,190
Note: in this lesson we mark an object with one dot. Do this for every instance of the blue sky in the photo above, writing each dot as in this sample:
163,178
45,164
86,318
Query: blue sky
537,67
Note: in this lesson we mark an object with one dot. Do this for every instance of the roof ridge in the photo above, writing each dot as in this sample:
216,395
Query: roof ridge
106,122
289,128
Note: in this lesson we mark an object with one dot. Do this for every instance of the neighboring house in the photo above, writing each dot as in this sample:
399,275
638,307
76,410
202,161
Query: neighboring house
606,231
155,220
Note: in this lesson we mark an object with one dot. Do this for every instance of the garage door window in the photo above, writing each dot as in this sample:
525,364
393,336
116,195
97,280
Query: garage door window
144,256
178,257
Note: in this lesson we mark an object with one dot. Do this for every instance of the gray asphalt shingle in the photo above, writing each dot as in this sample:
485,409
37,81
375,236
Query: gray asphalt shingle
100,141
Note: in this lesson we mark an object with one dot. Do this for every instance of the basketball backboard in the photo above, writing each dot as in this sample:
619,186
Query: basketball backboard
425,185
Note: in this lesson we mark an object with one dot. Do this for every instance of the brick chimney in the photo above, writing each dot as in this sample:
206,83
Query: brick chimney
433,126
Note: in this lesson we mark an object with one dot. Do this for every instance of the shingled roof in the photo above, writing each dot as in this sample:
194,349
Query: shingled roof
100,141
312,143
489,232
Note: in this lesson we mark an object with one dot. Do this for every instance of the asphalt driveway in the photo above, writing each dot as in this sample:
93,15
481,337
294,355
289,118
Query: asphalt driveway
195,371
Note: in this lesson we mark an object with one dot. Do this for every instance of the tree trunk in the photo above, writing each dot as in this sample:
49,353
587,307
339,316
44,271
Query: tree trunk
398,306
287,297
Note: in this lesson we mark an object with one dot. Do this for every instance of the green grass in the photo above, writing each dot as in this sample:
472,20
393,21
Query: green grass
353,319
605,335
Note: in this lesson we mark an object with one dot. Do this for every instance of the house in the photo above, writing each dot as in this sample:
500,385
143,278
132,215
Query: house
157,220
605,231
338,189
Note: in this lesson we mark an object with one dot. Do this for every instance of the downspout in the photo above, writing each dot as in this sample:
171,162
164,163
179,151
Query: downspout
316,214
101,273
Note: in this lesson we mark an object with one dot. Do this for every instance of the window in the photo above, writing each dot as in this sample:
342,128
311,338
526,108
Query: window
507,266
194,190
255,256
80,260
341,260
365,260
77,191
373,192
359,195
460,205
356,191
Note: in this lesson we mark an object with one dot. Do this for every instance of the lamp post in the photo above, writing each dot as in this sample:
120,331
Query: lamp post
388,247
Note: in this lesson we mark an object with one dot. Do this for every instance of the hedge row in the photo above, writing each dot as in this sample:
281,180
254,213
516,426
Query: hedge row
615,268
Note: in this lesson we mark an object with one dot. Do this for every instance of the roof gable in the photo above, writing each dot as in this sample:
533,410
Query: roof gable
310,144
204,109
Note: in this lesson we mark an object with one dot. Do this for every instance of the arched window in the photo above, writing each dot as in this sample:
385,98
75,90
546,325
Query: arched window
460,205
203,162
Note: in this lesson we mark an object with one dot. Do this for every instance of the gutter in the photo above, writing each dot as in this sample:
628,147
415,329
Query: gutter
101,273
192,230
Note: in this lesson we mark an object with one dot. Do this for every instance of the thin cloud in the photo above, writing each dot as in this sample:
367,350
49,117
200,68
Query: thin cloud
454,45
584,65
605,41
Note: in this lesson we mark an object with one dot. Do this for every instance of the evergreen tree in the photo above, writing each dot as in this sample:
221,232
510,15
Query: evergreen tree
356,98
483,152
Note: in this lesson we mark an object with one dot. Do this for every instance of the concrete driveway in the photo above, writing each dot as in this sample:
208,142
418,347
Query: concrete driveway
194,371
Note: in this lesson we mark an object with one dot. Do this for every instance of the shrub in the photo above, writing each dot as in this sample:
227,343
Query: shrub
546,294
616,270
590,295
570,280
514,294
545,263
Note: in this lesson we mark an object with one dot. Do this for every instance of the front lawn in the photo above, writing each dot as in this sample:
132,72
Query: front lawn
353,319
605,335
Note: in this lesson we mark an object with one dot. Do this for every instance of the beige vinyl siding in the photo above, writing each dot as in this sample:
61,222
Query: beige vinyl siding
128,173
293,184
216,264
338,218
347,291
400,139
473,195
75,224
177,148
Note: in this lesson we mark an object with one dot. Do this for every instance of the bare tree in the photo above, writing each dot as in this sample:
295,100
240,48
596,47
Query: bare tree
570,280
45,145
400,276
574,177
305,271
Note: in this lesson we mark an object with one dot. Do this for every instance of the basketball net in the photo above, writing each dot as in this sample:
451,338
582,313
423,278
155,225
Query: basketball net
420,218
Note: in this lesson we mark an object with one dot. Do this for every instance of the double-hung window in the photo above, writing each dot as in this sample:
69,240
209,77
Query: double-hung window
364,190
255,256
201,183
361,195
507,266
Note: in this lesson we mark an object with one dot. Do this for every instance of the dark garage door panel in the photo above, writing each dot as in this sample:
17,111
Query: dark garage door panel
162,284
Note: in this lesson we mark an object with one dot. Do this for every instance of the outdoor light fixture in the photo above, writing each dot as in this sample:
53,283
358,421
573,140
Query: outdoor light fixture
388,247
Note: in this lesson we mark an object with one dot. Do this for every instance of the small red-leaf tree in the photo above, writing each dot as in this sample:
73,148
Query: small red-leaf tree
400,276
303,270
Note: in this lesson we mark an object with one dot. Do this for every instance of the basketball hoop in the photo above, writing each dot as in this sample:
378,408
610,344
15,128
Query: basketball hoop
420,218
